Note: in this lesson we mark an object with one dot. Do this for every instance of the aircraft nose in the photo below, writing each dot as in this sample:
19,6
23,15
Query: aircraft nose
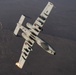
54,53
51,52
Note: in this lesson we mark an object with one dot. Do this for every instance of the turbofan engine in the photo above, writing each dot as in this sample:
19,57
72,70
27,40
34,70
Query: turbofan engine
28,25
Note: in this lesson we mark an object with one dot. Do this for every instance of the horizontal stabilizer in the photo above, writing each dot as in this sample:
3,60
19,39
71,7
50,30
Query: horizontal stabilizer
19,24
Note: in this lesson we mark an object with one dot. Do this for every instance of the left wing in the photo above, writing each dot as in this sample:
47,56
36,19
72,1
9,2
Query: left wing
25,52
38,24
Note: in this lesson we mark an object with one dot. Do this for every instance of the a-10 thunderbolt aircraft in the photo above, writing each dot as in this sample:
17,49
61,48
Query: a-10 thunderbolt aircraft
30,34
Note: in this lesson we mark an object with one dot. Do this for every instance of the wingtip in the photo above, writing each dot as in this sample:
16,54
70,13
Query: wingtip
50,3
18,65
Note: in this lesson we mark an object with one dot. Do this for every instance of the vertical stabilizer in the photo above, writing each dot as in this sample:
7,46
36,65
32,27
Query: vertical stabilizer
19,24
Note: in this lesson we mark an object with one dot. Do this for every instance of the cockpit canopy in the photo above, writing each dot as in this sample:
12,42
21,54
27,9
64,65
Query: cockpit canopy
45,46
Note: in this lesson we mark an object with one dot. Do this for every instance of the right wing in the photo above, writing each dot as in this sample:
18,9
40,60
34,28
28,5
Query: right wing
25,52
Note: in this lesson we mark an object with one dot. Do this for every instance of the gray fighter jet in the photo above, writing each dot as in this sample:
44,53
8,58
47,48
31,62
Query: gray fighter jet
30,34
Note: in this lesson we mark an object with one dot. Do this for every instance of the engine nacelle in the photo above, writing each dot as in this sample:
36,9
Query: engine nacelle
24,36
28,25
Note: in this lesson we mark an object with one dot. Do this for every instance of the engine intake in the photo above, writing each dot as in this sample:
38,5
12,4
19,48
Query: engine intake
28,25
